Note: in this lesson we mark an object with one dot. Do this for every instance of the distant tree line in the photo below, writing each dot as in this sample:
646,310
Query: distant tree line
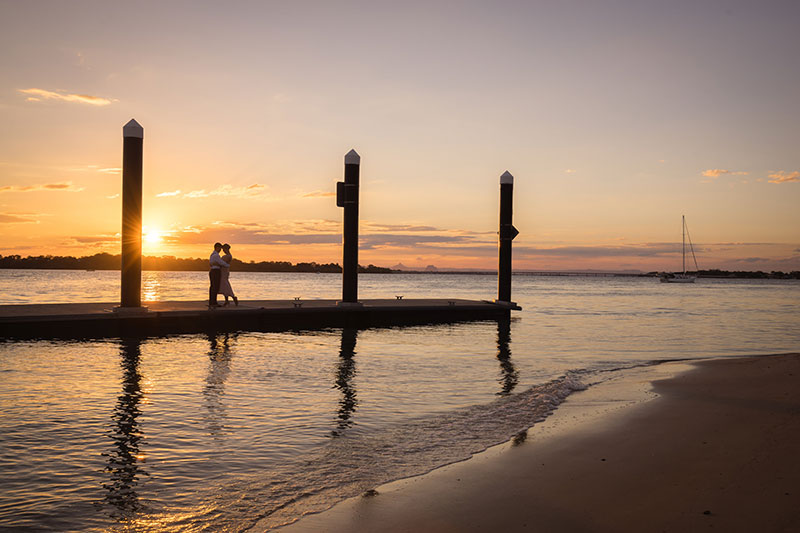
747,274
104,261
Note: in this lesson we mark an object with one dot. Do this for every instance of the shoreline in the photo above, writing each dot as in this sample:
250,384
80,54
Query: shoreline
319,268
678,446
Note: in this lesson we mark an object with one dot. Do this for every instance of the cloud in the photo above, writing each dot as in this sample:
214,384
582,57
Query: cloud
18,218
65,186
97,240
256,190
312,226
37,95
319,194
292,233
326,232
251,236
381,240
94,168
170,193
569,171
717,172
397,227
784,177
641,250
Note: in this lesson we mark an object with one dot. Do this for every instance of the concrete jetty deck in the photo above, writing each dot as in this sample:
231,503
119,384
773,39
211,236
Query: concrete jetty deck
97,320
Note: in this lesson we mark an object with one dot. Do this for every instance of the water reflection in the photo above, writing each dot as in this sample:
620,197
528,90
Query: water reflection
151,288
509,376
125,455
345,371
219,367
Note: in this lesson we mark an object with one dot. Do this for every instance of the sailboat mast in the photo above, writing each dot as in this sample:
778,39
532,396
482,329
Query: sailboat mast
683,243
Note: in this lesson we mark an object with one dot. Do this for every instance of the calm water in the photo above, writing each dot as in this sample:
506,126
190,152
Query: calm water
223,432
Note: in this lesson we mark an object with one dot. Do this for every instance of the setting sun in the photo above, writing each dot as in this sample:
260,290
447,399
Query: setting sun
152,237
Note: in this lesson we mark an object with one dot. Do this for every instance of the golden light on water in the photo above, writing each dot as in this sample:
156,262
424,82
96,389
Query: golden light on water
151,289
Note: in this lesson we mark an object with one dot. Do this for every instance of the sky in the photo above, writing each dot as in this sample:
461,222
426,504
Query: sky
615,118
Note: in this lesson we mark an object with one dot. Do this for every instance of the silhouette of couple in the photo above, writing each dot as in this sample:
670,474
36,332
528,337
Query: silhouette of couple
219,271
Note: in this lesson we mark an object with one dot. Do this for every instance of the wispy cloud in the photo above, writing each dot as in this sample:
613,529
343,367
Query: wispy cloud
373,226
569,171
256,190
253,234
66,186
94,168
714,173
319,194
374,236
19,218
389,240
636,250
167,194
784,177
37,95
97,240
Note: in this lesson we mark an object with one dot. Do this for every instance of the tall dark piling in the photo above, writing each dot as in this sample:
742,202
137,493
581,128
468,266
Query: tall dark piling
506,235
347,197
131,283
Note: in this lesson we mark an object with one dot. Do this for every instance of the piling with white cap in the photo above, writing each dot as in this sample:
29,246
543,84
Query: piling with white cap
347,197
131,282
506,235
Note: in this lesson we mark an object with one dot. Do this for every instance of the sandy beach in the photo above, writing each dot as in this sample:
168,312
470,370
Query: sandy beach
675,447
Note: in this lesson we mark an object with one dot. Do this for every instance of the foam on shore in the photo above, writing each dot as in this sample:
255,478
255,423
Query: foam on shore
714,449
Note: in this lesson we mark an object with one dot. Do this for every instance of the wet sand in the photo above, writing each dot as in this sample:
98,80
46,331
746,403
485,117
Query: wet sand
714,446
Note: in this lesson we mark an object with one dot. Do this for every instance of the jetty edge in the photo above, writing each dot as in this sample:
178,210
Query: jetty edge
99,320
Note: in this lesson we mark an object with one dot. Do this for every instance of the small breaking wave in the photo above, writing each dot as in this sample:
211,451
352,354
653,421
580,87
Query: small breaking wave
356,461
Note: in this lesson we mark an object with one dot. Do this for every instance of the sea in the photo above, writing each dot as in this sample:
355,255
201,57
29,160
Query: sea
244,430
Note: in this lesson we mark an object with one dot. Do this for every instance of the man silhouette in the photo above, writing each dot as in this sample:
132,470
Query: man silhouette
215,274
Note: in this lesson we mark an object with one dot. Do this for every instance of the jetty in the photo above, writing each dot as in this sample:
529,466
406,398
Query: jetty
99,320
130,318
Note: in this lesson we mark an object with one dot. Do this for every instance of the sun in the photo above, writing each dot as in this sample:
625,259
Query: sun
152,238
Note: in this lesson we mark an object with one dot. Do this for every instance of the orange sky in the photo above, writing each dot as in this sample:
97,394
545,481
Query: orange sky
614,122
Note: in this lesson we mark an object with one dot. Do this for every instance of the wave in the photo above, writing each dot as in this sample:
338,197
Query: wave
356,461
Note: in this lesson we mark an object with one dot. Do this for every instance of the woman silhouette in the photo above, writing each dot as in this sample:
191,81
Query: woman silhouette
224,283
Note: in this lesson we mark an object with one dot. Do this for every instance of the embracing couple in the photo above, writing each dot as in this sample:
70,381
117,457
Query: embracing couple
220,270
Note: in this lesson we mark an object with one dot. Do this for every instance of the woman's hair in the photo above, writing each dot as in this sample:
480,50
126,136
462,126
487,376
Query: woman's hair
226,245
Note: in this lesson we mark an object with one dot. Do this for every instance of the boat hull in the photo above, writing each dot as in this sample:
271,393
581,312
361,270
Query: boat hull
678,278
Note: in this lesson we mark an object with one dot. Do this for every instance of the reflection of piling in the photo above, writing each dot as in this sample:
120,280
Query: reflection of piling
131,284
506,235
125,453
509,375
347,197
345,372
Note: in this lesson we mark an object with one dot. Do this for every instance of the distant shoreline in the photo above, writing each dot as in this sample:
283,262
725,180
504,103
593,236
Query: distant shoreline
108,262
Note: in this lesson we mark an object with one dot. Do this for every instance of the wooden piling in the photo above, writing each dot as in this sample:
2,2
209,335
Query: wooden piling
347,194
506,234
131,280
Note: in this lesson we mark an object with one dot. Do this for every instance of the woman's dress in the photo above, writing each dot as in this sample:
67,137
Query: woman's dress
225,288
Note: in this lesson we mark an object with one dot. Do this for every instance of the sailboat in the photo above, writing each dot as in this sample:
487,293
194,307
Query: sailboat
682,277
